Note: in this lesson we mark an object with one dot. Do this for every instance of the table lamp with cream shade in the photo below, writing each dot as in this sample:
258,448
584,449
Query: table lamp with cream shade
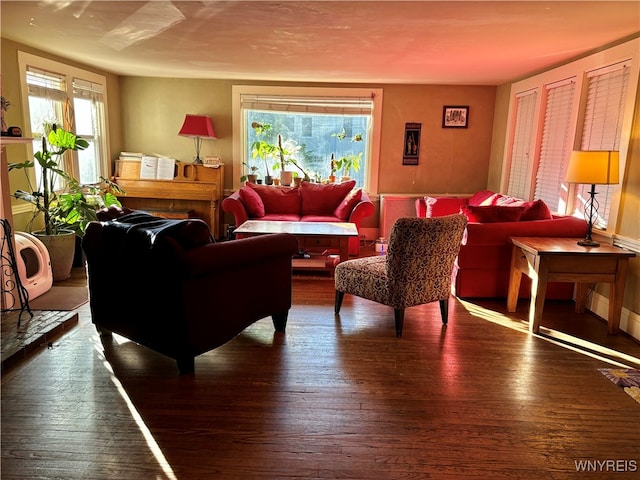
594,167
197,127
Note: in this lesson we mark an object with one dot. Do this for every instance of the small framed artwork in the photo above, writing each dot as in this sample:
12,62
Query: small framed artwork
411,149
455,116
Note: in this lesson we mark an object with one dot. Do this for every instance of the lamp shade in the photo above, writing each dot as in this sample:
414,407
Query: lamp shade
595,167
197,126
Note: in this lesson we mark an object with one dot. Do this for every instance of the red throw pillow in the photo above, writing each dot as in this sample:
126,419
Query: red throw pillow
441,206
323,199
536,210
479,197
493,213
348,203
278,199
252,202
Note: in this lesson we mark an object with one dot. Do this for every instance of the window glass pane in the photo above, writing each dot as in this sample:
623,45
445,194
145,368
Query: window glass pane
43,111
312,139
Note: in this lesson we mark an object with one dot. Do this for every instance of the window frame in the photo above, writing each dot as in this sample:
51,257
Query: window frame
240,138
72,75
579,69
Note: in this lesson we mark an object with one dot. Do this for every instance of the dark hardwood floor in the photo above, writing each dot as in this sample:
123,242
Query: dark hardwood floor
333,398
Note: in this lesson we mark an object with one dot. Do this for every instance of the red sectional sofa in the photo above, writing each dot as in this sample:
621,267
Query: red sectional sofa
310,202
482,266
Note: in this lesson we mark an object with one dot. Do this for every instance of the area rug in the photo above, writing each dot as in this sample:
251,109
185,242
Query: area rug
626,378
61,299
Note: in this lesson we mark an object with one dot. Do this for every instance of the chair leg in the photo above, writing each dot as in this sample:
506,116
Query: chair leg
280,321
399,317
444,310
338,302
186,364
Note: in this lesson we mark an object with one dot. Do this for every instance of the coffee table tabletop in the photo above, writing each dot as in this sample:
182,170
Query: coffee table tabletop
322,236
341,229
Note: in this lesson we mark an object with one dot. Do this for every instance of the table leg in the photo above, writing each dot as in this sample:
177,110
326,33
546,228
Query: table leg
515,278
539,279
616,294
582,290
344,248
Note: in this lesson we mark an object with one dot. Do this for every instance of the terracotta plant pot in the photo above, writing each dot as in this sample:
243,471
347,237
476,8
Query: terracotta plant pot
286,178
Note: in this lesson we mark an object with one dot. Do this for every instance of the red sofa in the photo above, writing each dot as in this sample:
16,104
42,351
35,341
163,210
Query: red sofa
482,266
310,202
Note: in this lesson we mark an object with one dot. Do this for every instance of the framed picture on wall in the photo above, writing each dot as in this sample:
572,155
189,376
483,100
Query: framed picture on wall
455,116
411,149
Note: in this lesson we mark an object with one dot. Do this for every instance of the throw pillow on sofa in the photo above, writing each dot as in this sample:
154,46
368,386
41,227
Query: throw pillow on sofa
323,199
278,199
536,210
252,202
441,206
493,213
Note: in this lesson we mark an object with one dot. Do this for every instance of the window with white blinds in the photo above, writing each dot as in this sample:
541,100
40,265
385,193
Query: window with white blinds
521,157
604,113
73,99
556,145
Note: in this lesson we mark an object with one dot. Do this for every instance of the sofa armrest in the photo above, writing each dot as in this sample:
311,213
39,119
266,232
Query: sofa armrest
233,204
364,208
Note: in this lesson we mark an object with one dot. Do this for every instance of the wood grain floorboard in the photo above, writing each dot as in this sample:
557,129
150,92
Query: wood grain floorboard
332,398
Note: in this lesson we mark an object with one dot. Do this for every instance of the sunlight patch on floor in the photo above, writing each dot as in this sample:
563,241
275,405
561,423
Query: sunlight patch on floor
144,430
556,337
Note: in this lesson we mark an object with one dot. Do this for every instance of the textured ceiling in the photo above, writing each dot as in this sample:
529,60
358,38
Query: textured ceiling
453,42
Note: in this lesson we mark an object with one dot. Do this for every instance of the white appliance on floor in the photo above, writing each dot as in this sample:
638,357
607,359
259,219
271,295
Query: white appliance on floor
34,264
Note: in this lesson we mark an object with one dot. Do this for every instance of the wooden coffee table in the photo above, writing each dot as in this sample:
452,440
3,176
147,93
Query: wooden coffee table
312,236
563,260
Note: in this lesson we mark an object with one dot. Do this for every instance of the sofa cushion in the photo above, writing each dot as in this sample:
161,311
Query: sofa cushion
484,197
285,200
441,206
536,210
323,199
344,208
252,202
493,213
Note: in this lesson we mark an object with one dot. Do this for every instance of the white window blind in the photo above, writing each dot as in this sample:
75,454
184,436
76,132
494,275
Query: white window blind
314,105
556,145
604,112
524,130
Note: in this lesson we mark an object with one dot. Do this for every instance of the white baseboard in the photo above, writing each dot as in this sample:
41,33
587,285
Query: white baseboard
629,320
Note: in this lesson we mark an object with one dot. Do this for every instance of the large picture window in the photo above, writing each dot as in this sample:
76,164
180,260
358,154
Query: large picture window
314,123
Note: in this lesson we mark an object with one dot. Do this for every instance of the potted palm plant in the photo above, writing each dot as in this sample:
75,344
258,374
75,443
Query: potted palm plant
65,206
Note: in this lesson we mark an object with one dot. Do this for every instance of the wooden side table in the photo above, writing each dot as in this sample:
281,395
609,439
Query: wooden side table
563,260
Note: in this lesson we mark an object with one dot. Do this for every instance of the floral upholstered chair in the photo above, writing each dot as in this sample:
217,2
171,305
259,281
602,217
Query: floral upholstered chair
416,269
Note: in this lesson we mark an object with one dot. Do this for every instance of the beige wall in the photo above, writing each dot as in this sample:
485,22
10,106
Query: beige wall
452,160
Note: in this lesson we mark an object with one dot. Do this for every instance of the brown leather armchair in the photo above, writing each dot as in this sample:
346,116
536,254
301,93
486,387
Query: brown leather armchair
178,292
